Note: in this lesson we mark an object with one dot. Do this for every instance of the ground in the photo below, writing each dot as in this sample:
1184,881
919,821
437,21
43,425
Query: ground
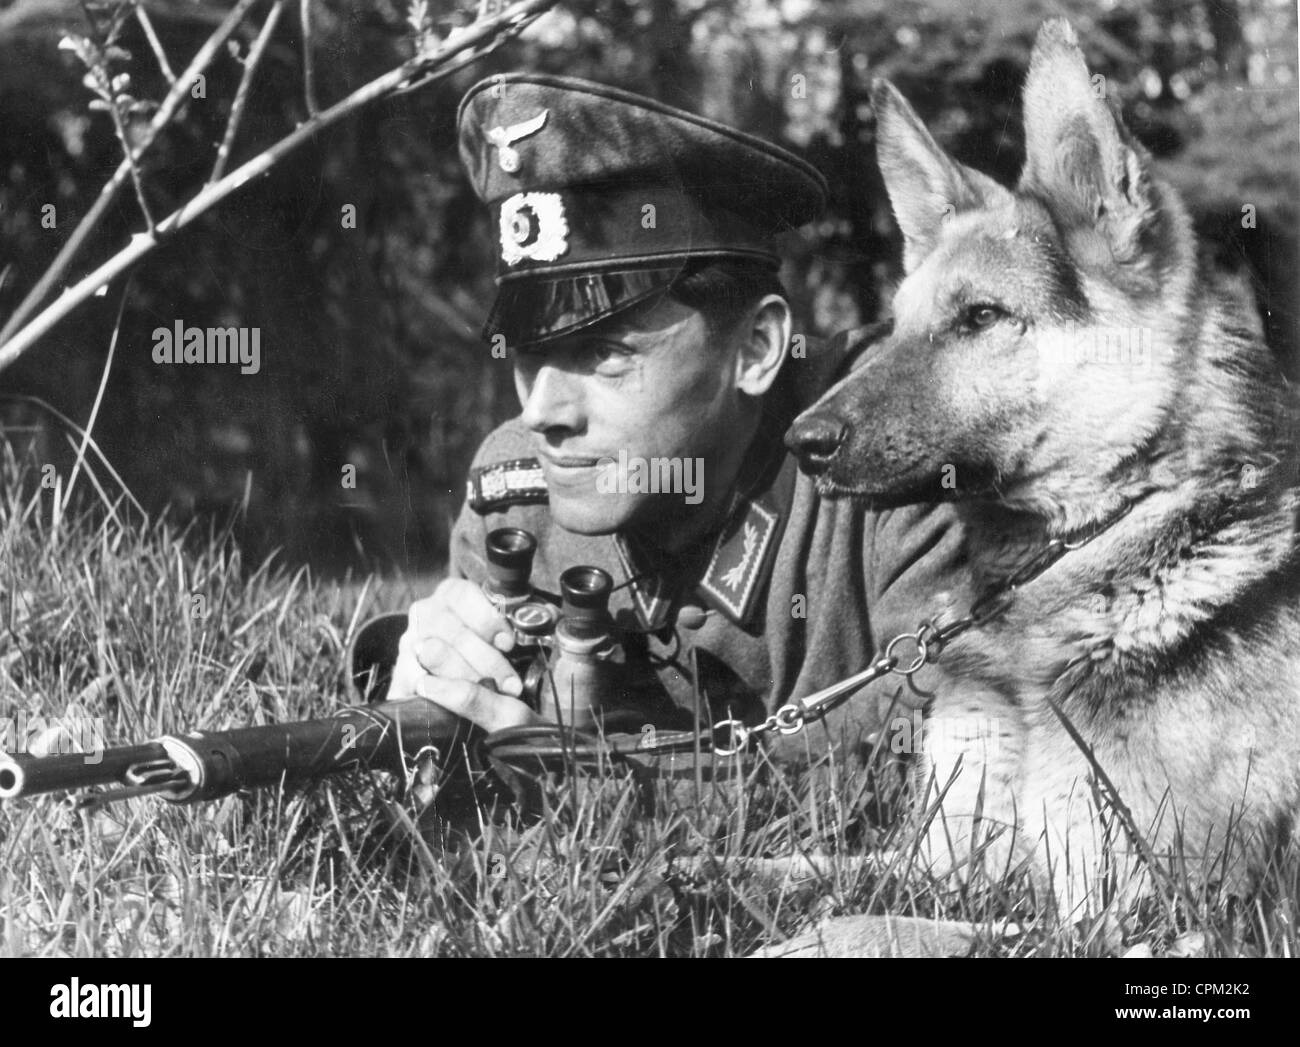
151,630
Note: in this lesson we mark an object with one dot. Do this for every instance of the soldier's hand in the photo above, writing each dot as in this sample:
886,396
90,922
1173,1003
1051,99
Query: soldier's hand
452,654
488,709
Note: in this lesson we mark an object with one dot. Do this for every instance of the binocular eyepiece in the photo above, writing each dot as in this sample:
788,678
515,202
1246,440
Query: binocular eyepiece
580,631
584,592
510,553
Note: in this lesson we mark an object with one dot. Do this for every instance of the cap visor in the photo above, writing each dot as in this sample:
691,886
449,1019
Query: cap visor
535,310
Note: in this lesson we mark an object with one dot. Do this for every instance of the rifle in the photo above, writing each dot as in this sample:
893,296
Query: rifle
205,765
565,652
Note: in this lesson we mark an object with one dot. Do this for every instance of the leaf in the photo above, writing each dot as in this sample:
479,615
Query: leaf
417,16
83,48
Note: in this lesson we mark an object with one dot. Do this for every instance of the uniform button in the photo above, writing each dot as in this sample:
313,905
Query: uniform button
692,617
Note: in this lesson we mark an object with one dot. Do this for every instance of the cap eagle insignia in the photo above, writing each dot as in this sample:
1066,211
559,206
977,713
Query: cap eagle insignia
504,139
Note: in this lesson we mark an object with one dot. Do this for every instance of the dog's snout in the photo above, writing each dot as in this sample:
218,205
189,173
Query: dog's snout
816,437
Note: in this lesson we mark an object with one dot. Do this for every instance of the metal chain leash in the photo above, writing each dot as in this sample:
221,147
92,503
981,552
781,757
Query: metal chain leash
928,638
728,738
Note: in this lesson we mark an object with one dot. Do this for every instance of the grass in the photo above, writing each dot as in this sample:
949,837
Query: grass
155,630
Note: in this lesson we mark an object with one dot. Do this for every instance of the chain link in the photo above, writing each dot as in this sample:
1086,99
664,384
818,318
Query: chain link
930,639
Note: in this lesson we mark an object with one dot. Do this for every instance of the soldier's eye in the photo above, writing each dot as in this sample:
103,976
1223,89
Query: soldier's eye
983,315
597,351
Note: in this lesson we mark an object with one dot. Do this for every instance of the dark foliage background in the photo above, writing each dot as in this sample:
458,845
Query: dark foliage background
370,352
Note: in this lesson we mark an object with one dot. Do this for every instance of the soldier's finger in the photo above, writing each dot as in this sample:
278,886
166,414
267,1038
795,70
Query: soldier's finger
432,617
420,615
467,603
486,708
448,625
464,656
445,613
437,657
407,673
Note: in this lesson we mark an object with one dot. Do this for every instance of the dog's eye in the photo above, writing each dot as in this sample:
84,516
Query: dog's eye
983,315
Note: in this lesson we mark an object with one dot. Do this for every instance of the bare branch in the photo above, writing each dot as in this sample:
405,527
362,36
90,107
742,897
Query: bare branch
95,215
137,178
108,92
455,67
241,95
146,23
509,22
308,61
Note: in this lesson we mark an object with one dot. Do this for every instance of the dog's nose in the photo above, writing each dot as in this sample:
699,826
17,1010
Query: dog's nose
816,437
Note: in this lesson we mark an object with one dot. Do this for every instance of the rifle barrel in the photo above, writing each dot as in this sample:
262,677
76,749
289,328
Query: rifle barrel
28,775
206,765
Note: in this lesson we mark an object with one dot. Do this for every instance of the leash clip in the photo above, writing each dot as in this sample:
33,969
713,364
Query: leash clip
738,738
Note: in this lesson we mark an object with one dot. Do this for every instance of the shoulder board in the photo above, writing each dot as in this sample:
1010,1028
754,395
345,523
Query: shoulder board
491,488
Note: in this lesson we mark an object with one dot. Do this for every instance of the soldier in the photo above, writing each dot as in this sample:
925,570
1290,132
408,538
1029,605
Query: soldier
651,344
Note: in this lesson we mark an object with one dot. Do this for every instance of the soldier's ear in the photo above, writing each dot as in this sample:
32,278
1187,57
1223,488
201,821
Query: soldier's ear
763,341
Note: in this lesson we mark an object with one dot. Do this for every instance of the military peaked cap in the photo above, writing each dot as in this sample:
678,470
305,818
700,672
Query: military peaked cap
601,197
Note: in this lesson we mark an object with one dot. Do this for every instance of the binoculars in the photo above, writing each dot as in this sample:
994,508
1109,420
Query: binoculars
568,657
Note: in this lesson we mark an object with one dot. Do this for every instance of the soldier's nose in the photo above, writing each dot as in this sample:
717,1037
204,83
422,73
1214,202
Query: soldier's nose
816,437
551,401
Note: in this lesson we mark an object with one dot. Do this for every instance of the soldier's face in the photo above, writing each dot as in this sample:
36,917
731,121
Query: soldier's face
635,420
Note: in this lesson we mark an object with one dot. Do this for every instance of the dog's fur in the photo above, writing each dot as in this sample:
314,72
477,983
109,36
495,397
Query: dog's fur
1171,641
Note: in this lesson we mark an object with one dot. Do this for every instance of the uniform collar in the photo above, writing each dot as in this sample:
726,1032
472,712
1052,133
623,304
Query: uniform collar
744,551
729,570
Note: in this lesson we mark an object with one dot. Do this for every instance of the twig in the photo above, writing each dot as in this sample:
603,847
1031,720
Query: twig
308,61
109,93
96,214
241,94
99,397
137,179
142,243
455,67
146,23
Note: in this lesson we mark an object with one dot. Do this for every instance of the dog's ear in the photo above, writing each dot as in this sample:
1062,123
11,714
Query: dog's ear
1080,159
926,186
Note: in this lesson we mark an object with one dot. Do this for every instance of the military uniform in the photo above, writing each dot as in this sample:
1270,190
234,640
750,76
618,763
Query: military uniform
787,593
791,594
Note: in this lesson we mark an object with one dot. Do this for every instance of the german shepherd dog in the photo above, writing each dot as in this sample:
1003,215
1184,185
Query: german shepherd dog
1062,366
